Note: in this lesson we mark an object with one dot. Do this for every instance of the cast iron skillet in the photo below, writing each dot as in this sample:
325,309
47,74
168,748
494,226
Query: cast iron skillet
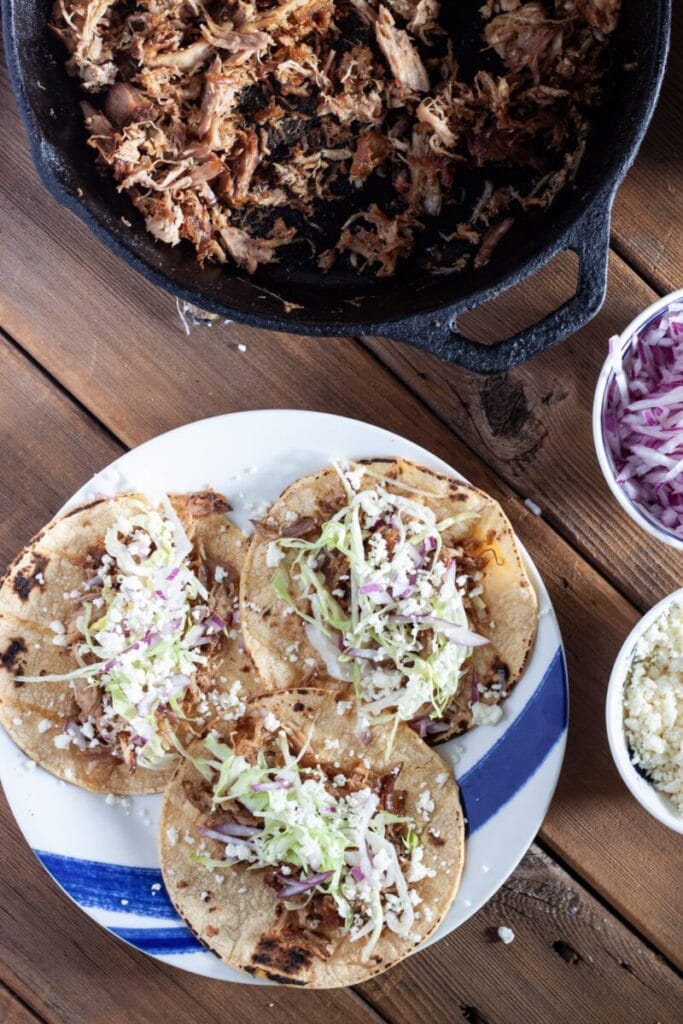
415,307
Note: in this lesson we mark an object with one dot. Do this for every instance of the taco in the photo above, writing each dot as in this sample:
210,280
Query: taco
401,581
117,638
300,854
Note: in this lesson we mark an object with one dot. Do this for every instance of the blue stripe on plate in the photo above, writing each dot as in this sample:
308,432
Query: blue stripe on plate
519,752
485,789
160,940
93,883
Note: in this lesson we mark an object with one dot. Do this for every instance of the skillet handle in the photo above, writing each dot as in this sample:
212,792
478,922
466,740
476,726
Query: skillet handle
589,239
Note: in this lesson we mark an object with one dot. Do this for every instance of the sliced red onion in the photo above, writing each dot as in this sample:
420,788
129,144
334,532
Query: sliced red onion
643,418
173,573
175,684
362,732
297,886
357,873
213,833
364,654
217,621
196,636
434,728
429,727
265,787
474,688
456,634
234,829
372,588
420,727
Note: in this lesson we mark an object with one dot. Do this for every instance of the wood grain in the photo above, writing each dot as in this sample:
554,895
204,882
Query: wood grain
58,960
141,387
54,955
569,961
70,971
533,426
647,226
14,1012
35,417
115,342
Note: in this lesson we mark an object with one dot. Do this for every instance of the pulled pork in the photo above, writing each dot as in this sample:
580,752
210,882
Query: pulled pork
242,126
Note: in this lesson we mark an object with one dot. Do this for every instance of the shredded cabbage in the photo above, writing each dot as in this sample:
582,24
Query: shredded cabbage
143,622
406,631
309,832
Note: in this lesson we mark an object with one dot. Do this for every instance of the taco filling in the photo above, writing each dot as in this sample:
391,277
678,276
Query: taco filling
399,604
141,627
336,848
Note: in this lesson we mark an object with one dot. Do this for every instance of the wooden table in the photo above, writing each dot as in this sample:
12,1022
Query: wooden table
93,360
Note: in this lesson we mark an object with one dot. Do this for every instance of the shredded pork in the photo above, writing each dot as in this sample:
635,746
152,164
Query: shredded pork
344,128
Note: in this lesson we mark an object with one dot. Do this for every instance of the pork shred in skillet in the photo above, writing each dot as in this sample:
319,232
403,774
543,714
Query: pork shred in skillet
343,128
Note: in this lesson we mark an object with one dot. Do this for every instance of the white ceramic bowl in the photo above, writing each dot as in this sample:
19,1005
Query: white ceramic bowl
626,340
647,796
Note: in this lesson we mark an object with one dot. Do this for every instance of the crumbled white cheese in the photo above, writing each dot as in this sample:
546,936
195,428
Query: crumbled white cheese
155,887
653,705
343,706
172,836
62,741
271,722
112,799
274,555
417,869
425,804
486,714
442,778
219,574
44,724
506,934
57,627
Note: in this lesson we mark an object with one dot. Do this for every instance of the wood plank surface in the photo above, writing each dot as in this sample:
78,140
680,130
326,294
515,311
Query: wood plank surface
140,375
71,971
569,961
533,426
115,343
35,417
59,961
14,1012
647,227
48,945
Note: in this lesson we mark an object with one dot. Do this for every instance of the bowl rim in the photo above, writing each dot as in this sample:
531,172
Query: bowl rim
627,337
643,791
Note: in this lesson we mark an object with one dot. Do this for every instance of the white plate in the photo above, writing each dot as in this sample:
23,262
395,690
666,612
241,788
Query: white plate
104,855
